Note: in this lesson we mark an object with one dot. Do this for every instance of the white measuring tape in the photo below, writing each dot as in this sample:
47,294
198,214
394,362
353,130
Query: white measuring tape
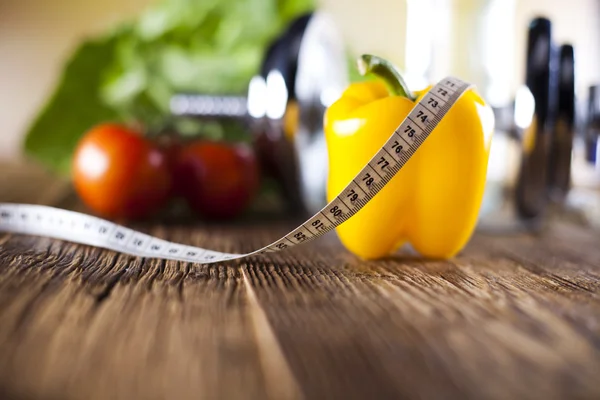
403,143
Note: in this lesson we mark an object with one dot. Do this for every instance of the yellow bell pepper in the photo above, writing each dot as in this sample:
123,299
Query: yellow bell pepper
433,202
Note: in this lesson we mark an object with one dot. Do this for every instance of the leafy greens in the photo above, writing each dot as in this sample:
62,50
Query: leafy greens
129,75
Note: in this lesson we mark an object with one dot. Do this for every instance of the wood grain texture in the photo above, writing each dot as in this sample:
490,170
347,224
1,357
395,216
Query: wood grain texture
513,317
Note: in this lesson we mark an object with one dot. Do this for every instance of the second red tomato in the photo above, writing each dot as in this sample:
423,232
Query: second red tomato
218,180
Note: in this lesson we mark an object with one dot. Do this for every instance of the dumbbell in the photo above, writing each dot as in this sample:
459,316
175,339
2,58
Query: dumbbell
545,169
303,71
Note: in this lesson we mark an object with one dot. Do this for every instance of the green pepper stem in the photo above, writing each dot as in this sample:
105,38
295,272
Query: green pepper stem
384,70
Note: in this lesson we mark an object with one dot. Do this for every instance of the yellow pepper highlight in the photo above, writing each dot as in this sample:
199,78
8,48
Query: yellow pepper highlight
433,202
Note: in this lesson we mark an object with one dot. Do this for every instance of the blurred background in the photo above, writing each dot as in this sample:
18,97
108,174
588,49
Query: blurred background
482,41
486,44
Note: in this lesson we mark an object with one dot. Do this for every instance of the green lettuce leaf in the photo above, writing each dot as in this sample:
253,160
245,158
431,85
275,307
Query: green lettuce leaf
74,107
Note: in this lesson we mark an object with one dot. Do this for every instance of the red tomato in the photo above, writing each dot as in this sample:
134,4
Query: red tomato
217,180
120,174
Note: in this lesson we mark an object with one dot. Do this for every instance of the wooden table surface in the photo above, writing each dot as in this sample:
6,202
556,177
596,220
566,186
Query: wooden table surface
513,317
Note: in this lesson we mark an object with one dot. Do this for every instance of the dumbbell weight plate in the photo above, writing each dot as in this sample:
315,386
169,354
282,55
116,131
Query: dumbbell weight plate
310,57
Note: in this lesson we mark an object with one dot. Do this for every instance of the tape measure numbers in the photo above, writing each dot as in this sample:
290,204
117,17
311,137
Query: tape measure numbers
395,153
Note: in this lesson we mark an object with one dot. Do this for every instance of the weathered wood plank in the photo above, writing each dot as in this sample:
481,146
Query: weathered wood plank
511,317
431,329
102,325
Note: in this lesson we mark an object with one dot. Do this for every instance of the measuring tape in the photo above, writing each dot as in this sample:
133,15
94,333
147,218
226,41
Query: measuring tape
385,164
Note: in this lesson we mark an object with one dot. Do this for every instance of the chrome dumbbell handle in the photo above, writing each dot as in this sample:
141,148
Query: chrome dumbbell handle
266,98
194,105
